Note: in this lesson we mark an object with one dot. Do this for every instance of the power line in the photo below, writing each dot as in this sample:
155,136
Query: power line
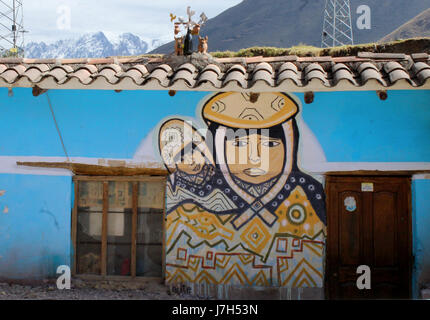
12,28
337,25
58,128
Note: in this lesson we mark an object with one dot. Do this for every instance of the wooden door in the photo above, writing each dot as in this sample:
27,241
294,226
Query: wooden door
368,223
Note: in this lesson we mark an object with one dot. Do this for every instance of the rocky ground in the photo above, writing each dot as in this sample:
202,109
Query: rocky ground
86,290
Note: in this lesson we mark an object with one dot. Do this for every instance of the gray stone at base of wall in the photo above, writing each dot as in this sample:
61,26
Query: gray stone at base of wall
231,292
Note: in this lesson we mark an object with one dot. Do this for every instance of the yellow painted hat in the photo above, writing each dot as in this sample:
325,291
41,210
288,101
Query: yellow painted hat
250,111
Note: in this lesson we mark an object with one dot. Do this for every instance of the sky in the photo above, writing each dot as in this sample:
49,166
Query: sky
52,20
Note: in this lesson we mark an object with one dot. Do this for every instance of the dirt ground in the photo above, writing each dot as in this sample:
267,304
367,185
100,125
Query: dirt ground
86,290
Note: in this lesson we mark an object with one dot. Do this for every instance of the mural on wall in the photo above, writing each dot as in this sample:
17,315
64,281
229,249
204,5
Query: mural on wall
239,210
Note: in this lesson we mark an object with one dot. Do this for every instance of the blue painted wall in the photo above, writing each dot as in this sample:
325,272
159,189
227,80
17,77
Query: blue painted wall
35,233
350,126
101,124
357,126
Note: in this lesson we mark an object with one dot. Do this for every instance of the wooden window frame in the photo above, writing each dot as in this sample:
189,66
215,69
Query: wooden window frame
103,255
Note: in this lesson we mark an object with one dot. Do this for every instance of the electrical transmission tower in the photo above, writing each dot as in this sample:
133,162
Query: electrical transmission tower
11,28
337,26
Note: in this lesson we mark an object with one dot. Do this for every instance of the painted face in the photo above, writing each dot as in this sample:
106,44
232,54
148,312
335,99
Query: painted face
255,158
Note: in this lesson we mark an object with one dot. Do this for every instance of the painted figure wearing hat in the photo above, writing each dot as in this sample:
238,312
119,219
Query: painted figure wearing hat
239,209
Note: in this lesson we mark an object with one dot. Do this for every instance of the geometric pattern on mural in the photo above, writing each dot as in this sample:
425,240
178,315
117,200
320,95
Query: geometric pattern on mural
227,268
276,256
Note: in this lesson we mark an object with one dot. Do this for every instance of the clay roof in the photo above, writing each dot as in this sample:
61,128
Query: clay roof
366,71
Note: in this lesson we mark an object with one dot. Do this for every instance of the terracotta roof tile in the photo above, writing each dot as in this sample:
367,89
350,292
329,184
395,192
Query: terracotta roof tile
109,74
371,74
141,68
135,74
366,65
83,75
160,75
263,75
315,59
184,75
10,75
421,71
237,76
315,71
263,66
289,75
280,59
33,74
187,66
420,66
314,67
385,56
211,73
342,73
212,67
368,71
420,56
58,74
287,66
237,67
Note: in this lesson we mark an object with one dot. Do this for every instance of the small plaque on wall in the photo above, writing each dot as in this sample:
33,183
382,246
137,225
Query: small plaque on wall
367,187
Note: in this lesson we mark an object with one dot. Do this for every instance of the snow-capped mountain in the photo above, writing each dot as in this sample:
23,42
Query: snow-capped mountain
93,45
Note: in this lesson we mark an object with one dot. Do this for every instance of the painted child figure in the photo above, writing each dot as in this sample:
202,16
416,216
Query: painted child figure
239,210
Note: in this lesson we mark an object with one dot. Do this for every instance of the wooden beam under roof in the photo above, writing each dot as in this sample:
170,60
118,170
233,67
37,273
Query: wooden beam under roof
97,170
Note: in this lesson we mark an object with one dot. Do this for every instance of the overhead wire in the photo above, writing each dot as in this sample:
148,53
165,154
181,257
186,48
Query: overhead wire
58,128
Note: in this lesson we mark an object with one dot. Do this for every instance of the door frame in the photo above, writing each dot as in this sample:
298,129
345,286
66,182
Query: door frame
332,178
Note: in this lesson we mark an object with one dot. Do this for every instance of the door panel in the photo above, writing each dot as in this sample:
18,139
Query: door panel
349,242
384,229
370,228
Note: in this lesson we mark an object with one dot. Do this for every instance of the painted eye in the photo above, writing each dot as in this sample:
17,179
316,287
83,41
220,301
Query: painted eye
239,143
270,144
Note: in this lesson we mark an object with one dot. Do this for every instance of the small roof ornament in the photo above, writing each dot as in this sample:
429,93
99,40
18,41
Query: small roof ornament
182,43
190,24
203,19
190,14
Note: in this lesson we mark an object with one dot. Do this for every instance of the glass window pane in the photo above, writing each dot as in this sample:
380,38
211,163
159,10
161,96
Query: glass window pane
149,261
90,195
89,242
89,226
88,258
120,196
119,228
150,228
118,259
151,196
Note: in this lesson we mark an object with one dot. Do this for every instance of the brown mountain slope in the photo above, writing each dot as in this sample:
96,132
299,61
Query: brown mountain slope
417,27
286,23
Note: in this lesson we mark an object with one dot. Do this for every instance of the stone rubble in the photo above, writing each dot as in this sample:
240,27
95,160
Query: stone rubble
92,290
